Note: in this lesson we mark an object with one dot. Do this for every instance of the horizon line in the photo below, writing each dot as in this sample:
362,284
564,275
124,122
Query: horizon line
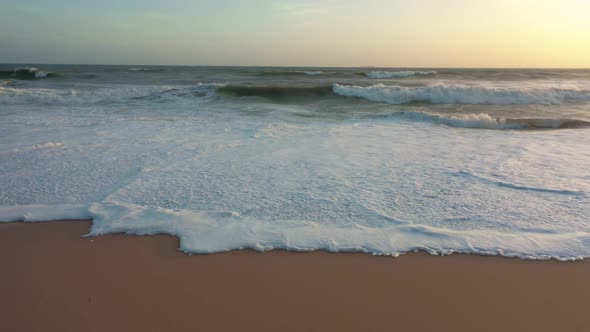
281,66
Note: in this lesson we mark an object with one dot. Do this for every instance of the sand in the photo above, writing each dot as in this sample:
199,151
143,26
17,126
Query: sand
52,279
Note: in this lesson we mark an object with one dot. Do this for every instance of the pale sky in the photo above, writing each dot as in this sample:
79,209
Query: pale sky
383,33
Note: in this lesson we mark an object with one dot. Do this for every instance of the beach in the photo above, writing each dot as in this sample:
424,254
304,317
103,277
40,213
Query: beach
53,279
295,166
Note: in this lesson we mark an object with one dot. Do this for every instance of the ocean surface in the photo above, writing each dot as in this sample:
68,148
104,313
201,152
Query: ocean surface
376,160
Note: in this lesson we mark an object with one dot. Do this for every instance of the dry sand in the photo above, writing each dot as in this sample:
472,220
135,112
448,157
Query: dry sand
51,279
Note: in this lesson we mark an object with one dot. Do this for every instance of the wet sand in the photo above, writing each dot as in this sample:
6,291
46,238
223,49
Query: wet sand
52,279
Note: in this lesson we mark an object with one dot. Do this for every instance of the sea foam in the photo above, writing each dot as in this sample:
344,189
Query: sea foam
39,212
486,121
464,94
46,96
210,232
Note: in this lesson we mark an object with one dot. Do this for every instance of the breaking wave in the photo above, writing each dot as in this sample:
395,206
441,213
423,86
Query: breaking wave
290,73
397,74
397,95
464,94
26,73
486,121
9,95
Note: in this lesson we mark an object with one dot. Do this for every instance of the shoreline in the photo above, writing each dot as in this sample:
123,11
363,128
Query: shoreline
55,280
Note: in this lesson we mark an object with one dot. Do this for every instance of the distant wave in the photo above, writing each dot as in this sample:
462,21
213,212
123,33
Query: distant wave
313,72
464,94
87,76
485,121
276,92
138,69
26,73
10,95
397,95
397,74
289,72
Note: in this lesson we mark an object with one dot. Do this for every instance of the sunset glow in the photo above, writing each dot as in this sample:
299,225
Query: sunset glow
419,33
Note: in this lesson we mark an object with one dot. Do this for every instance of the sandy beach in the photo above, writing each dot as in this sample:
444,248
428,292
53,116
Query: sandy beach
55,280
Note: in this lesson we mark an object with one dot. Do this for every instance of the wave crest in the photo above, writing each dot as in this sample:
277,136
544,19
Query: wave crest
288,73
486,121
397,74
26,73
9,95
463,94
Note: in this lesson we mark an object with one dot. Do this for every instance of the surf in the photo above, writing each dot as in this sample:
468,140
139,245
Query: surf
397,74
441,93
486,121
276,92
27,73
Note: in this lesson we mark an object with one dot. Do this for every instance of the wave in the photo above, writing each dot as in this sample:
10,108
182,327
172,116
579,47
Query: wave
463,94
276,92
26,73
289,72
138,69
209,232
486,121
313,72
87,76
397,74
14,95
10,95
397,95
9,82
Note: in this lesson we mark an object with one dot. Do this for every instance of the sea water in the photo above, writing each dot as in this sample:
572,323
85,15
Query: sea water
375,160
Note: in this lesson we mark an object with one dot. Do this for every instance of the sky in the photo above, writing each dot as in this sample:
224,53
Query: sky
381,33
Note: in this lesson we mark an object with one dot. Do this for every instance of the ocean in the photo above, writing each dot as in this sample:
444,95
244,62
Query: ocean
376,160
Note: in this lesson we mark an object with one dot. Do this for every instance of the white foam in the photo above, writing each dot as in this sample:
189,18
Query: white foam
32,70
397,74
47,145
313,72
209,232
31,213
40,74
44,96
29,69
486,121
441,93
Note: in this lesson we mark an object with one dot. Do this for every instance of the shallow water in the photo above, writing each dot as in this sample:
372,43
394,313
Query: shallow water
345,159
